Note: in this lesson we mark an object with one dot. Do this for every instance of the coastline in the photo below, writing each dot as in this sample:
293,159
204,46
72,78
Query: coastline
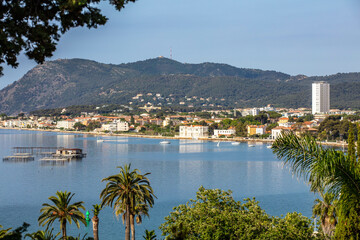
235,139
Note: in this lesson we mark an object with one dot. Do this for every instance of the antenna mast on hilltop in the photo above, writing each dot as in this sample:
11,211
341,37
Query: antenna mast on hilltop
171,53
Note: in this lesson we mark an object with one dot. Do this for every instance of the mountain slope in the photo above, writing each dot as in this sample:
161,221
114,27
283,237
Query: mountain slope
67,82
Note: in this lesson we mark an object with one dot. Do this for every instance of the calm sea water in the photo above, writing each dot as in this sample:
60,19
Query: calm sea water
177,171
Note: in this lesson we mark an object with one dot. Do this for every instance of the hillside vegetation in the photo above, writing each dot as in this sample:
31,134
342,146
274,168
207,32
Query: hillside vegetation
68,82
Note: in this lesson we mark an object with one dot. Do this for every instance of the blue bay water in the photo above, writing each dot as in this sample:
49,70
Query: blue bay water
177,171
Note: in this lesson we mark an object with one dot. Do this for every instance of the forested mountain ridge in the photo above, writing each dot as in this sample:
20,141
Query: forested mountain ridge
65,82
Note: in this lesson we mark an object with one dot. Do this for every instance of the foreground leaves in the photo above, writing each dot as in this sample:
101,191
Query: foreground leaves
214,214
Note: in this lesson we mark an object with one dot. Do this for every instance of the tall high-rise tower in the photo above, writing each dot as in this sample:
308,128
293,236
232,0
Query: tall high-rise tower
320,97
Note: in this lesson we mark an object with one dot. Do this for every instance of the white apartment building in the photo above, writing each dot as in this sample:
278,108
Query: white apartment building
111,127
66,124
320,97
122,126
224,132
119,126
194,131
254,111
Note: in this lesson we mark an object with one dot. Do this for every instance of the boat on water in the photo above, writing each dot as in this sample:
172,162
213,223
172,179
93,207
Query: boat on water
164,142
235,143
251,145
269,146
99,140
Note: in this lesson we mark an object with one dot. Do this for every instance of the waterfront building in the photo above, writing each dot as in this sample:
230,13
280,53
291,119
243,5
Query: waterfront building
116,125
66,124
194,131
122,126
256,130
320,97
276,132
111,127
224,132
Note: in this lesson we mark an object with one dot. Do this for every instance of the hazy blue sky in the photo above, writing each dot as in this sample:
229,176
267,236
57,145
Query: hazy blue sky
311,37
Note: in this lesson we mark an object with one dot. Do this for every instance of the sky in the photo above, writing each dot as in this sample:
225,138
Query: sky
311,37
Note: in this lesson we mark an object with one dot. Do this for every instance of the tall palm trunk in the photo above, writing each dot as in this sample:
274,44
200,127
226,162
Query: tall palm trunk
328,227
63,229
95,221
127,223
132,224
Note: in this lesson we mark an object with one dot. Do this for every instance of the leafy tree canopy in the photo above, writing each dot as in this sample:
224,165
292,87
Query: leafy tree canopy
214,214
35,27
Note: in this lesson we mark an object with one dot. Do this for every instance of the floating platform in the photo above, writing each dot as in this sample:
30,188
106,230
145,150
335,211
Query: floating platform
18,158
55,159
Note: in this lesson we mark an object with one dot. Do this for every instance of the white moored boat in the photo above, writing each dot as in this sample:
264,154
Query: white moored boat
251,145
235,143
165,142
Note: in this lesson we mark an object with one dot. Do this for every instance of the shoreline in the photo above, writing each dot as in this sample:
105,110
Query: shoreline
235,139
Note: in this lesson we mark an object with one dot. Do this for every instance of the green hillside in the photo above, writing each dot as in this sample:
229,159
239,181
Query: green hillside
68,82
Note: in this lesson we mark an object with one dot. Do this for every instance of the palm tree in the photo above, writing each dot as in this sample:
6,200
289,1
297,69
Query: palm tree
322,167
325,208
96,210
136,214
149,235
63,211
124,190
42,235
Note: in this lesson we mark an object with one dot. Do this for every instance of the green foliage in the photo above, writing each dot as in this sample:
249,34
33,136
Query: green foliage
42,235
205,115
79,126
14,235
349,226
126,191
325,209
324,167
214,214
241,129
271,126
274,115
4,232
80,238
62,211
306,118
351,144
96,209
358,141
93,125
35,27
80,85
261,117
149,235
335,128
